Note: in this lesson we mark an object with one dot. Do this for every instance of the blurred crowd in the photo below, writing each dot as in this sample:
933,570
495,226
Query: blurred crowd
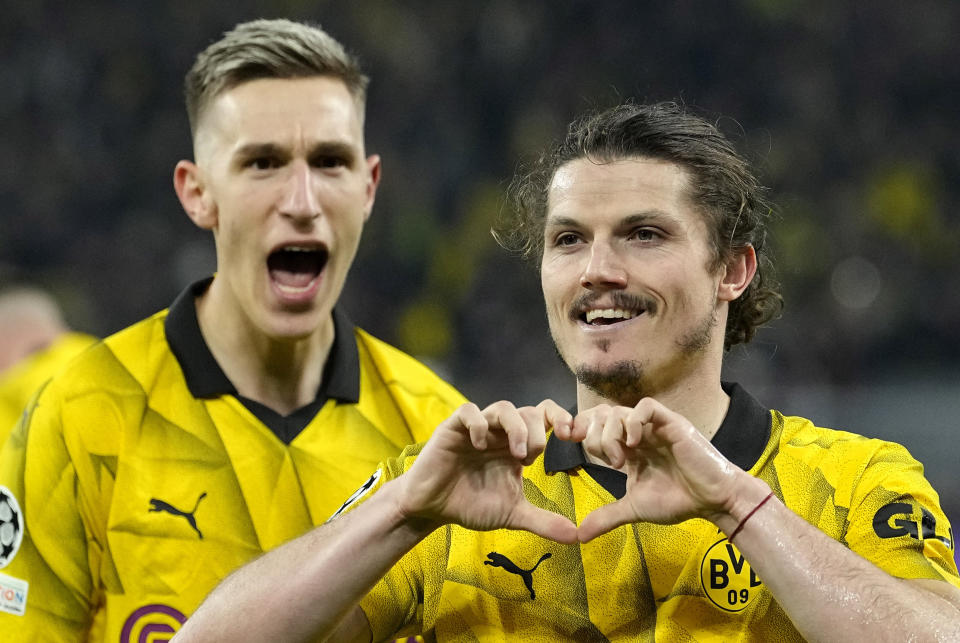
848,108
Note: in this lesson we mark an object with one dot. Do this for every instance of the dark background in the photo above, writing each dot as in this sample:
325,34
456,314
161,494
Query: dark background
849,110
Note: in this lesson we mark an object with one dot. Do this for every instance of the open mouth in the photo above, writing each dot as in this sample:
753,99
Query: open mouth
294,268
617,308
608,316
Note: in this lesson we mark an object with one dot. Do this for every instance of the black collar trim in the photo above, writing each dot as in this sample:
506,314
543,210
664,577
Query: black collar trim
741,438
205,378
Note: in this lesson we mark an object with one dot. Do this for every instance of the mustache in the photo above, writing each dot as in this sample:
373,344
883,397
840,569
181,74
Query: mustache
623,300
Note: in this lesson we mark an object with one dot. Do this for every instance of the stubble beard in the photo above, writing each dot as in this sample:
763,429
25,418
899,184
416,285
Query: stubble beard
626,382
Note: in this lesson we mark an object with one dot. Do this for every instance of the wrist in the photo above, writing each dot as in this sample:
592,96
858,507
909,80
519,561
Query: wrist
747,496
403,517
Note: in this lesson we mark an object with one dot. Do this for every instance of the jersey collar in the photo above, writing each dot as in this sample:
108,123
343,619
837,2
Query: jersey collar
205,378
741,438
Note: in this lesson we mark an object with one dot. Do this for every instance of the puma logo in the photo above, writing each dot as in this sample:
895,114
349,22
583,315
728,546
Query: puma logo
159,505
499,560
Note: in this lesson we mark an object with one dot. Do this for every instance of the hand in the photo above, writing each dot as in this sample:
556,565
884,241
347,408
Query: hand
673,472
470,472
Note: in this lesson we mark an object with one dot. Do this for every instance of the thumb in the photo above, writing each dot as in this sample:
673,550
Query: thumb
546,524
604,519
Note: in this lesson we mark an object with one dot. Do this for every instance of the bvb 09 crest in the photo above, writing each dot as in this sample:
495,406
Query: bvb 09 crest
727,578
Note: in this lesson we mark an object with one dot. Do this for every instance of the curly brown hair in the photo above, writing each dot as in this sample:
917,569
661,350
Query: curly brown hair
722,184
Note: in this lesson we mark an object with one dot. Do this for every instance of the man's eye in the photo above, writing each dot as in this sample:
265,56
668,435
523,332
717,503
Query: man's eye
328,162
645,234
566,239
263,163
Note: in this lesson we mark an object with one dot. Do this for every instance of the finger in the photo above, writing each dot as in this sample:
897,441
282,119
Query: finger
635,428
592,427
536,423
470,418
604,519
666,427
611,439
557,418
582,422
507,418
543,523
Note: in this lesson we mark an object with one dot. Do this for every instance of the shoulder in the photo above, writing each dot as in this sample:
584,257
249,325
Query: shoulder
802,438
110,379
399,370
850,464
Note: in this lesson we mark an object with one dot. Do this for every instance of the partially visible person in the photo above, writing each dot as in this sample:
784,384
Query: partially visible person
672,506
187,444
35,343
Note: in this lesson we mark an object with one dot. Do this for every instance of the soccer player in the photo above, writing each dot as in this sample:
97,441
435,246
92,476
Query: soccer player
186,445
35,343
672,506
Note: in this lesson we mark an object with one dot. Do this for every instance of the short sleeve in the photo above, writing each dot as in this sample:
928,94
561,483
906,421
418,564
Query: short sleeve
394,606
896,522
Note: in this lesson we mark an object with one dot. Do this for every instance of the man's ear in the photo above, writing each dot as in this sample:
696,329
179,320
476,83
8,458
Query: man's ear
374,167
738,274
191,190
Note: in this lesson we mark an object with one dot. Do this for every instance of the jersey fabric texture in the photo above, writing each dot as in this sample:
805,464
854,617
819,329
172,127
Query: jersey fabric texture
144,479
647,582
21,381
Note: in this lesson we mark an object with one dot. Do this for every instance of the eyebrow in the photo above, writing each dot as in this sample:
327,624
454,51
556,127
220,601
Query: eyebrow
253,150
645,216
325,148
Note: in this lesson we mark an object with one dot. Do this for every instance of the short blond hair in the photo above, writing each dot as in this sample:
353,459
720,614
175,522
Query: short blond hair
269,49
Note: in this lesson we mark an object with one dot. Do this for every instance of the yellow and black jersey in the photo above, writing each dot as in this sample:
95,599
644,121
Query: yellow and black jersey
646,582
21,381
139,478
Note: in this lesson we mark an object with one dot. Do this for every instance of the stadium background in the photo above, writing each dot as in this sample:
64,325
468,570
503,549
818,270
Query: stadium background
849,109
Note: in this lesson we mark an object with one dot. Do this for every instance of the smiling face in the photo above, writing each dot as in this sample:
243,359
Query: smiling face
633,304
282,181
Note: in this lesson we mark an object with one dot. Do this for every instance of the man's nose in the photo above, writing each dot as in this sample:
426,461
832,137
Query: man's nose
300,200
603,269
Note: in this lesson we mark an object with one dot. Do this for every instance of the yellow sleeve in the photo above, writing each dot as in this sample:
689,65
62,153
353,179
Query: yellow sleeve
394,606
46,559
896,521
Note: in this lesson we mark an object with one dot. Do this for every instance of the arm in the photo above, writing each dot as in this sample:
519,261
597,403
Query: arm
829,591
46,569
469,473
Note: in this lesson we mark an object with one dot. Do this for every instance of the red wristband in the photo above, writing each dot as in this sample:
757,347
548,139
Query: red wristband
747,517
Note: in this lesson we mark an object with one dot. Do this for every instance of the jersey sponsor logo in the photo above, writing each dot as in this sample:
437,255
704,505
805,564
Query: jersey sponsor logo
157,505
896,519
152,623
13,595
11,526
499,560
359,493
727,578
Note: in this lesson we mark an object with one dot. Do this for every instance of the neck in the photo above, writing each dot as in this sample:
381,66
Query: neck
282,374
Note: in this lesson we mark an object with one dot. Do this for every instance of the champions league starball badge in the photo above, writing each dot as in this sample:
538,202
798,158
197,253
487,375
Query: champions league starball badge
11,526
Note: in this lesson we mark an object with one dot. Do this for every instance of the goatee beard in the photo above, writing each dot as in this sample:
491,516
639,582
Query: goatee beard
621,383
624,382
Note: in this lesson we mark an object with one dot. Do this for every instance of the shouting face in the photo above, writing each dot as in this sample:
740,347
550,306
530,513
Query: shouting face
282,180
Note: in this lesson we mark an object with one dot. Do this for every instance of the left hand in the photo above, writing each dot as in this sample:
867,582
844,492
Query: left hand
673,472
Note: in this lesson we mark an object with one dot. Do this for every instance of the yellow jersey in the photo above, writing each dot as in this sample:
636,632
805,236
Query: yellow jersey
138,479
648,582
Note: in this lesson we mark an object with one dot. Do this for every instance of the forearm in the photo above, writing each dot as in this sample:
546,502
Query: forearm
830,592
301,590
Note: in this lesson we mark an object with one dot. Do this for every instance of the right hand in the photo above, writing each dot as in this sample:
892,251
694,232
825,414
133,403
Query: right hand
471,471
